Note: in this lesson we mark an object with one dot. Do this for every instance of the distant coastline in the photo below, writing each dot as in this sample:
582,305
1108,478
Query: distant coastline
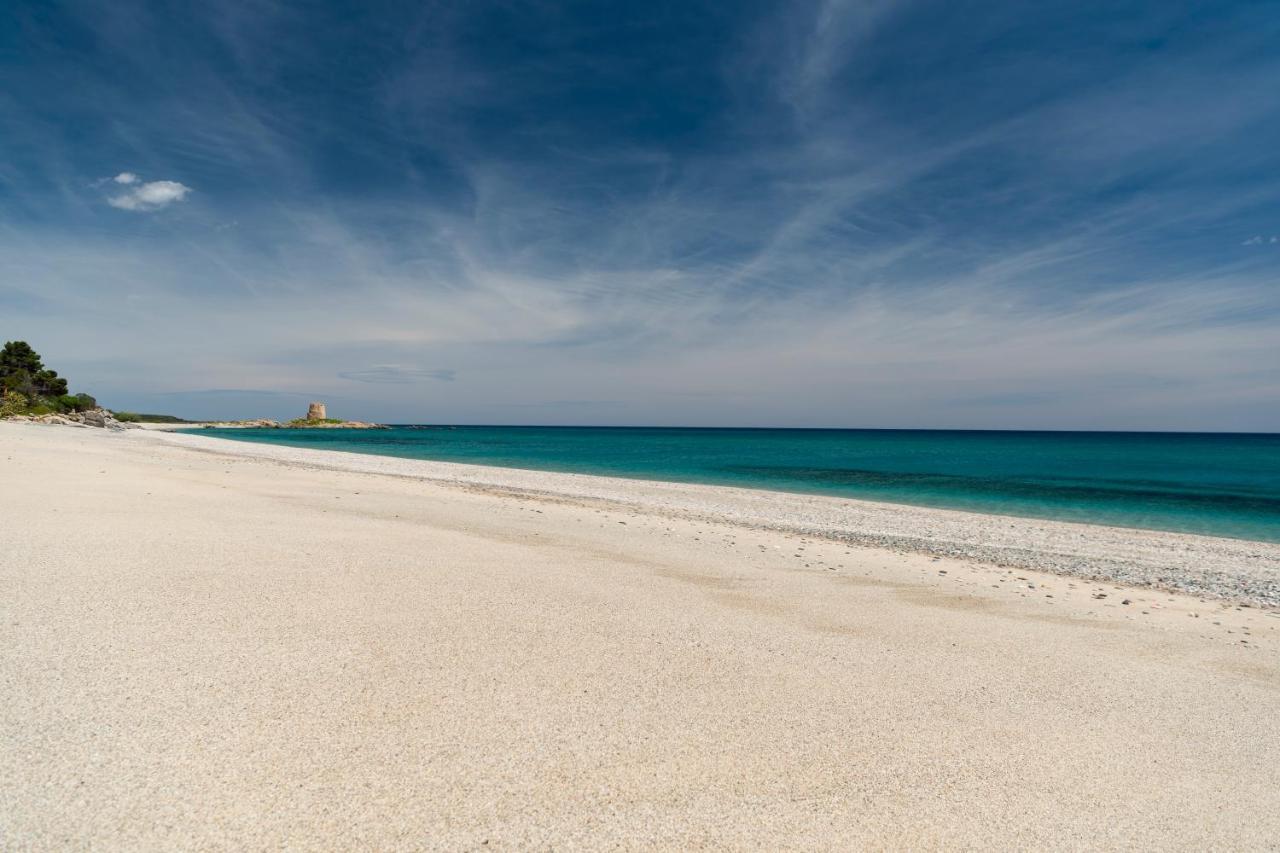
298,423
316,418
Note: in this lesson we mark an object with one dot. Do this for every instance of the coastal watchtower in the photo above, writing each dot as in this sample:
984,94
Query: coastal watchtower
316,412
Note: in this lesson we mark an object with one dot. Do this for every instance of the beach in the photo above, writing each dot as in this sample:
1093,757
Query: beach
222,645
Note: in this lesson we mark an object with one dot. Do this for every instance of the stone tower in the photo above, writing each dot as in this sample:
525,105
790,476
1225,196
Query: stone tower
315,412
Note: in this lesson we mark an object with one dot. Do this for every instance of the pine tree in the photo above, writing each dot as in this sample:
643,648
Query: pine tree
18,355
22,371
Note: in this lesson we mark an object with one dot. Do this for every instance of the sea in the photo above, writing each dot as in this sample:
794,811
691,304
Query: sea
1210,483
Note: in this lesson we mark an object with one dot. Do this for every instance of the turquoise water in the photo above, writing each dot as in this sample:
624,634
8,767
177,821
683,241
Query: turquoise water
1219,484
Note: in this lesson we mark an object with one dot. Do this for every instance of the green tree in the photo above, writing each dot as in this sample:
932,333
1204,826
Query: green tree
18,382
77,403
22,371
50,384
18,355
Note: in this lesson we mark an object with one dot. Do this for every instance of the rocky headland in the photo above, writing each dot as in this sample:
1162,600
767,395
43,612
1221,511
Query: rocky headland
317,418
301,423
104,419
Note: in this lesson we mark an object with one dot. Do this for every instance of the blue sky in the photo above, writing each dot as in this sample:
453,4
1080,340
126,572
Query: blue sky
881,214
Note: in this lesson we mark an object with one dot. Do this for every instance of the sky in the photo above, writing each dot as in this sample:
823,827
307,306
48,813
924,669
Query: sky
850,213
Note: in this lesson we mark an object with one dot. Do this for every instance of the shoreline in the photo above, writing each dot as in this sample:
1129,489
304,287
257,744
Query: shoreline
252,647
1237,570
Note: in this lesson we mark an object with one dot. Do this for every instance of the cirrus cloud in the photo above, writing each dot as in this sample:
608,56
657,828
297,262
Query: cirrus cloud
397,374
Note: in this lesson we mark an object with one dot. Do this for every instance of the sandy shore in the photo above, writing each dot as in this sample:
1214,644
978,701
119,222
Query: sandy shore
1228,569
217,645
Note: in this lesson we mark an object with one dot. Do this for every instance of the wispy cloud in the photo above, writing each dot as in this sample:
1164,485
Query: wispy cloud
397,374
561,405
830,212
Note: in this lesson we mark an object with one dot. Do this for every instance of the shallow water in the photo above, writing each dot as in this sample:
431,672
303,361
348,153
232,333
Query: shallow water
1217,484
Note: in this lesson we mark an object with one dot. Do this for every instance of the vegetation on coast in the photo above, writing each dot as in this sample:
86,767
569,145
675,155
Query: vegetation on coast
30,390
144,418
27,387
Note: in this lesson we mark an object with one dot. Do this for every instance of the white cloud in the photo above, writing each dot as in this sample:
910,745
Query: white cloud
152,195
1258,240
126,178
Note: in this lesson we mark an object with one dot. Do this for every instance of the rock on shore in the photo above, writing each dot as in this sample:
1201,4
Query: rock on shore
100,418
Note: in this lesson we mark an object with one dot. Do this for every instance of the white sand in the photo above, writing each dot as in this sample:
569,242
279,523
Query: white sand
205,650
1229,569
